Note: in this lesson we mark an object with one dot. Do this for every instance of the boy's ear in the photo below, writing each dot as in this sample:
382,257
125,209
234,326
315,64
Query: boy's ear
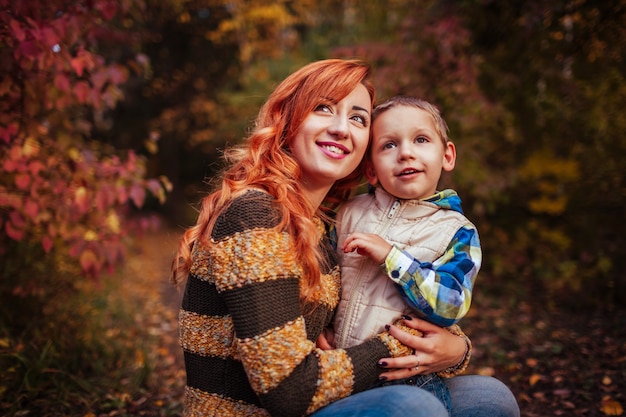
449,157
370,172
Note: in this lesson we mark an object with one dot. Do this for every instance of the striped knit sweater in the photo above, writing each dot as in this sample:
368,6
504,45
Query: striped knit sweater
249,345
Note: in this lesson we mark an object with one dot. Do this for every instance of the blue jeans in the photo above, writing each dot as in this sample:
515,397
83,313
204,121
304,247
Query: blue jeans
432,383
481,396
472,396
389,401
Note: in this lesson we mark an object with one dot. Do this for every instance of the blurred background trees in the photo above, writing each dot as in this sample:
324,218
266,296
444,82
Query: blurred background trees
116,110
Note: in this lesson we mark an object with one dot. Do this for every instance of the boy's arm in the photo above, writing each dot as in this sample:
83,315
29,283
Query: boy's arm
441,290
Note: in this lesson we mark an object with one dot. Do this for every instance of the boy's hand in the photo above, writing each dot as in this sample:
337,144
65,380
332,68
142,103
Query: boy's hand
326,340
367,244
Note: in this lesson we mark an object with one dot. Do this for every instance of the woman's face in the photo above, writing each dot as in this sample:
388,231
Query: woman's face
332,140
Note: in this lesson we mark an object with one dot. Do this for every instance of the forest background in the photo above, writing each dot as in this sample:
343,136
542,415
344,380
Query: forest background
113,114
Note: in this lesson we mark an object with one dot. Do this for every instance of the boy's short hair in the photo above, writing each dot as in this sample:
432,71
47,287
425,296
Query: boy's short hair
440,124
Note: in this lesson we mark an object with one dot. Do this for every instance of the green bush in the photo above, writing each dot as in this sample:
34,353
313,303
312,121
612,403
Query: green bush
66,343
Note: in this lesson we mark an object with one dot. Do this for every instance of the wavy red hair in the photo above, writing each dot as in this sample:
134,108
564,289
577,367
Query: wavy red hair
264,161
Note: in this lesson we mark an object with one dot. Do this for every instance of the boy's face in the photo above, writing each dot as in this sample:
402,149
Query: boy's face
408,154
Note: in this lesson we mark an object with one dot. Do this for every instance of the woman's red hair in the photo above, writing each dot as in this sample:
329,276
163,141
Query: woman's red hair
264,161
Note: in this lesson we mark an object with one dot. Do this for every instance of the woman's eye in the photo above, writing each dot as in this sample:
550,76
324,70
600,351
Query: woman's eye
360,119
325,108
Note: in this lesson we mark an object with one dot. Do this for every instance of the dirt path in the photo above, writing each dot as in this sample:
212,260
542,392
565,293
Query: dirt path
146,273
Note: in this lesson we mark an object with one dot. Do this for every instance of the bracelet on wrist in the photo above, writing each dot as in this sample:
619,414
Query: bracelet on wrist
460,367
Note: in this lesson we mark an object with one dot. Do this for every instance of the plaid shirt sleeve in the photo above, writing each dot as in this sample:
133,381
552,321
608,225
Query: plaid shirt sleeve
440,291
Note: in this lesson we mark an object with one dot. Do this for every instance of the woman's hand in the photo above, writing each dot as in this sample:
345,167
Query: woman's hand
436,350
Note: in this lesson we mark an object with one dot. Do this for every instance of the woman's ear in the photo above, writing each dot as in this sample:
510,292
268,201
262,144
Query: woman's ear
449,156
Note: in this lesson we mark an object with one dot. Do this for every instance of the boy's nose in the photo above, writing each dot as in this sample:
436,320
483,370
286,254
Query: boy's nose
406,152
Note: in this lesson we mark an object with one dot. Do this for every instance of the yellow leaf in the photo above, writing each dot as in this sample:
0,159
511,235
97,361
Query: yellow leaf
534,378
531,362
486,371
610,407
606,380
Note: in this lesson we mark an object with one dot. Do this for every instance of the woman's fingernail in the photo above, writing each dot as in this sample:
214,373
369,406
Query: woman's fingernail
382,364
404,316
382,378
387,327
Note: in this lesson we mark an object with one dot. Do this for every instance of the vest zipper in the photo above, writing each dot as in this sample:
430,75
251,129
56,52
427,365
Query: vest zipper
392,210
380,230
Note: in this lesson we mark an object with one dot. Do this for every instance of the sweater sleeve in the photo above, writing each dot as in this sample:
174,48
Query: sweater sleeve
258,276
440,291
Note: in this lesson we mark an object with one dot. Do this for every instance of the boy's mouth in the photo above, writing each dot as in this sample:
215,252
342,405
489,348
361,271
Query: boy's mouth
408,171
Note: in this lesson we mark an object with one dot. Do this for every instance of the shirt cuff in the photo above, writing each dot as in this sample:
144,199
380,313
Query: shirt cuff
397,263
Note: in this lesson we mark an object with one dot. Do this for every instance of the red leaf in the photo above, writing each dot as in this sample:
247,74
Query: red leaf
154,186
46,242
62,82
9,165
17,219
49,36
22,181
52,230
9,200
108,8
89,261
99,78
29,49
78,65
81,91
76,248
81,200
31,209
7,133
137,195
122,195
20,35
15,153
13,232
105,197
35,167
118,74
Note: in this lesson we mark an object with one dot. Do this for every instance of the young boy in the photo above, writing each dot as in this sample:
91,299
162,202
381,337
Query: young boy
405,248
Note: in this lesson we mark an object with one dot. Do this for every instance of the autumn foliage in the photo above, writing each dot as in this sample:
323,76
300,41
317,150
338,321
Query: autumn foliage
59,185
104,102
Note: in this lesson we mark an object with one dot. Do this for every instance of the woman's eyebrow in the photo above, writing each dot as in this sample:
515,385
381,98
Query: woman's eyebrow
353,107
360,108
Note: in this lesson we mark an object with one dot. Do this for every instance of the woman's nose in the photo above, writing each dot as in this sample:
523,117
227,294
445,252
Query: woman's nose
339,127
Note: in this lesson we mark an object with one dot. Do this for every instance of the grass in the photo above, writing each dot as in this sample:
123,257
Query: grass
70,346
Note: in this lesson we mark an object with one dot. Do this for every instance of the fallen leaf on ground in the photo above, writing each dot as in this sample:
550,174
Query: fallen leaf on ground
610,407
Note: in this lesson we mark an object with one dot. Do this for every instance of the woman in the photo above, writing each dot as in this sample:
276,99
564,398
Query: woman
262,281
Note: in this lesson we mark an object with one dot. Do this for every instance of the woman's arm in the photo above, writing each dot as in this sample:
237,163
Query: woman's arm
258,278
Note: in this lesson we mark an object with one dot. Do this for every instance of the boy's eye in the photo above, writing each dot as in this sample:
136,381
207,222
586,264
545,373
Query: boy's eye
389,145
421,139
